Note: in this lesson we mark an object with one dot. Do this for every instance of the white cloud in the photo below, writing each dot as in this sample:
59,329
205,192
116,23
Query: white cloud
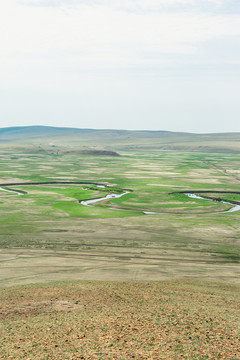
103,36
127,4
118,55
138,6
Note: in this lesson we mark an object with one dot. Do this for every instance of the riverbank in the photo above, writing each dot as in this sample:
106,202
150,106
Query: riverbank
91,202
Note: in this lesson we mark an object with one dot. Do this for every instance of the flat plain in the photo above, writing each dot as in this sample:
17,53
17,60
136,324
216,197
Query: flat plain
160,269
47,235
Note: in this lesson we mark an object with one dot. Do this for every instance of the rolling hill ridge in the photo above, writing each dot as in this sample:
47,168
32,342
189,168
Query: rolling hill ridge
43,138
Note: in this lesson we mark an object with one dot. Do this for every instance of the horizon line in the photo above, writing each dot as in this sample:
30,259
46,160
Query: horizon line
117,129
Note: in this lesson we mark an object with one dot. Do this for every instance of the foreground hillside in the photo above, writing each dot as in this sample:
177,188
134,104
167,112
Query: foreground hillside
126,320
38,139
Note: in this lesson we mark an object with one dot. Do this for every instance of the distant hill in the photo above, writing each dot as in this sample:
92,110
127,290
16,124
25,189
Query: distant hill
63,139
23,133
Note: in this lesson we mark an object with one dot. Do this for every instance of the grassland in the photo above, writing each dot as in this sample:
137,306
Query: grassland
47,235
118,320
57,140
177,289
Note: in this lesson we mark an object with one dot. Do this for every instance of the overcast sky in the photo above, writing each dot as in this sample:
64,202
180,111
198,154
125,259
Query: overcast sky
121,64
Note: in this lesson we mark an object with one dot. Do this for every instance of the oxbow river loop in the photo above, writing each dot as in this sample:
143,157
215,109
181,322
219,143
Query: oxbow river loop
91,202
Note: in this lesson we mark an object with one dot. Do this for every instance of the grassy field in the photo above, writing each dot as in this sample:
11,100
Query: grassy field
47,235
169,284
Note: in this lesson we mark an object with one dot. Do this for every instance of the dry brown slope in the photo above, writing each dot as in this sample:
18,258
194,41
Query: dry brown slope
121,320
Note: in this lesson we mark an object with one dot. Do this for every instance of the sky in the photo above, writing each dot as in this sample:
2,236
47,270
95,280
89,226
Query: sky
121,64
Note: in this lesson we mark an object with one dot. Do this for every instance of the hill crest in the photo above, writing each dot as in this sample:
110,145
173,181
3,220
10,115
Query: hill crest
39,137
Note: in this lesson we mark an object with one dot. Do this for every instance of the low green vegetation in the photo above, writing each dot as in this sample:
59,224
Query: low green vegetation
115,240
168,286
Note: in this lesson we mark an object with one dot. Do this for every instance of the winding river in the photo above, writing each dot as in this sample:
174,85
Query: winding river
107,197
91,202
233,209
14,192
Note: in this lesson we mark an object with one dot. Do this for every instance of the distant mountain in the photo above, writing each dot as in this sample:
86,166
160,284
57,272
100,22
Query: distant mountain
63,139
21,133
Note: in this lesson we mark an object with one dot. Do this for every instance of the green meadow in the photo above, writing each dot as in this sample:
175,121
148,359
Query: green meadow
153,274
47,235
